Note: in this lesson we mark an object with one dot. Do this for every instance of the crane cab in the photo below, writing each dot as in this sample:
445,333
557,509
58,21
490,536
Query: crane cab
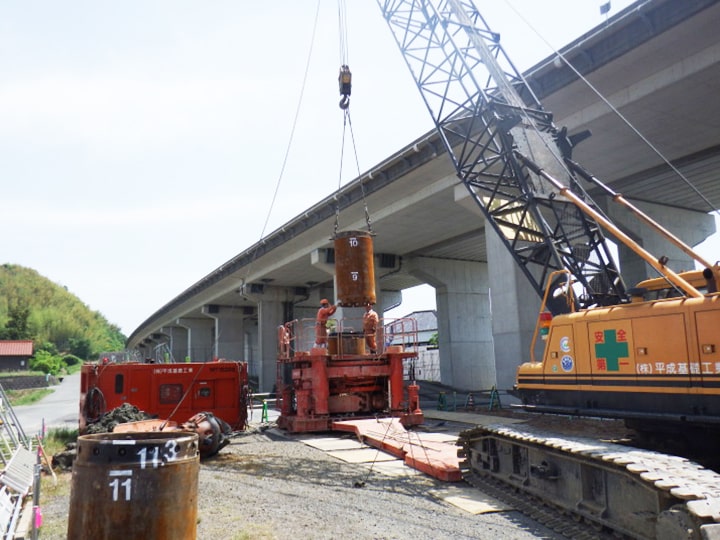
658,357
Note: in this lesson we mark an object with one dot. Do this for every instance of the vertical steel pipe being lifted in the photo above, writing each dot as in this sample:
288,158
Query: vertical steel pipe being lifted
354,268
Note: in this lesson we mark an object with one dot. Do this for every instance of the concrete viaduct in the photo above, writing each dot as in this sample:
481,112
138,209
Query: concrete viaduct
657,63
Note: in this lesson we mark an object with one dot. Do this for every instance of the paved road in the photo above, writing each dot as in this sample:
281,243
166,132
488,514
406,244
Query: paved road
59,409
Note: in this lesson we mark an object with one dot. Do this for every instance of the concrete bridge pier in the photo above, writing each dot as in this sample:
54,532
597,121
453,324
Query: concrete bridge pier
200,338
515,306
275,306
467,359
270,316
229,330
386,300
177,340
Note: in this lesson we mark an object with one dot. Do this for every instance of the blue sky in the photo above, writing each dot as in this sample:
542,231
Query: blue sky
141,142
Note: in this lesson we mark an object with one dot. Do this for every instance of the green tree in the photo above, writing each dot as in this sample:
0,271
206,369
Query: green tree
47,346
47,363
71,360
81,347
17,325
55,319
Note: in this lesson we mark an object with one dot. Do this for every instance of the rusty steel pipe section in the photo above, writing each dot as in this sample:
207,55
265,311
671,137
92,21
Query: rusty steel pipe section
354,268
133,486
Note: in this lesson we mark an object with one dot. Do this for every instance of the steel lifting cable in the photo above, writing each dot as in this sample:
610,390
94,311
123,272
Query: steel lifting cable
425,449
361,483
652,147
345,76
345,88
348,123
290,140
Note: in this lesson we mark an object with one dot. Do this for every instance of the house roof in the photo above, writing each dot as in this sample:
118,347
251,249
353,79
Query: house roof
426,321
23,347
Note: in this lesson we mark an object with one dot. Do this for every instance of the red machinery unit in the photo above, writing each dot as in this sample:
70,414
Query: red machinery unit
170,391
317,384
320,385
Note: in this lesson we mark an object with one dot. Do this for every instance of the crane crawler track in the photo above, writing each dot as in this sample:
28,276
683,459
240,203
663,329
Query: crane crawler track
634,493
550,516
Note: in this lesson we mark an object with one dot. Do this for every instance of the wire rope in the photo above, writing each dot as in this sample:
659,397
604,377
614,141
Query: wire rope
342,25
613,109
347,122
290,139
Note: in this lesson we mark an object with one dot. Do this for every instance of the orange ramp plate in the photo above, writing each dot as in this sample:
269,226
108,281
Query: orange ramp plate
432,453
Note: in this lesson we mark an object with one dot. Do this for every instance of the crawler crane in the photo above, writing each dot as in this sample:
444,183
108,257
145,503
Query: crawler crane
608,350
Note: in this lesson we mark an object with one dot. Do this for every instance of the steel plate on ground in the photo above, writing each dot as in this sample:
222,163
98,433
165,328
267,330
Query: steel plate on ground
469,499
362,455
396,468
333,443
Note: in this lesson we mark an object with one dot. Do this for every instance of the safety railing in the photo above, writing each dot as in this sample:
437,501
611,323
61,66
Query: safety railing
346,336
264,402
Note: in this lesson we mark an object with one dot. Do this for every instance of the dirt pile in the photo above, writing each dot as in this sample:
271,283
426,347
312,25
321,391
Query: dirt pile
106,424
120,415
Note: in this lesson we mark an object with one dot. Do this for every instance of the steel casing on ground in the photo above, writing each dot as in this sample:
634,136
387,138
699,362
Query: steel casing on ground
134,486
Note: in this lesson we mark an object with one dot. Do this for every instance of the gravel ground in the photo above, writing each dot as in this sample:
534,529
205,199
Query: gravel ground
266,485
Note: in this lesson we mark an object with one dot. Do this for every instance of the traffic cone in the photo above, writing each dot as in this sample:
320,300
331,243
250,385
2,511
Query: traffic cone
470,402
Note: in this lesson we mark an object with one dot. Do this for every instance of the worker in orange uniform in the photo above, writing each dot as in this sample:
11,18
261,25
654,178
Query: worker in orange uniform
370,322
323,314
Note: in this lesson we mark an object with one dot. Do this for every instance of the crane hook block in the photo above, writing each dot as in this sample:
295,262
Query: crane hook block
345,82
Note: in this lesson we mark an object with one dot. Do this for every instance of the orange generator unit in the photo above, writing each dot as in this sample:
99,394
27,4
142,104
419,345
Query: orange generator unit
169,391
341,377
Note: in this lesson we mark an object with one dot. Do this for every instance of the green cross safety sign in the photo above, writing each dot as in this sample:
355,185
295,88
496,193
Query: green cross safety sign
609,351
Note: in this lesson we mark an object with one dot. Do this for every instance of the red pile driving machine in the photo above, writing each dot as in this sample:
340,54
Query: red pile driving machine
340,376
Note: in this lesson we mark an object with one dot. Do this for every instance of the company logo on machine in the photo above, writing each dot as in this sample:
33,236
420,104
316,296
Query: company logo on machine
610,347
567,363
565,344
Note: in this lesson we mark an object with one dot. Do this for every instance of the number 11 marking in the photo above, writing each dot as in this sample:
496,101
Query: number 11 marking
117,484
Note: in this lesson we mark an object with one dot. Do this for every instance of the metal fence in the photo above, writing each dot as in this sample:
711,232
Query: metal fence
20,476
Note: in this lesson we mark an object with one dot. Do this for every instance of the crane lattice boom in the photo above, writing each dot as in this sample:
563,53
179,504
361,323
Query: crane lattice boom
486,113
